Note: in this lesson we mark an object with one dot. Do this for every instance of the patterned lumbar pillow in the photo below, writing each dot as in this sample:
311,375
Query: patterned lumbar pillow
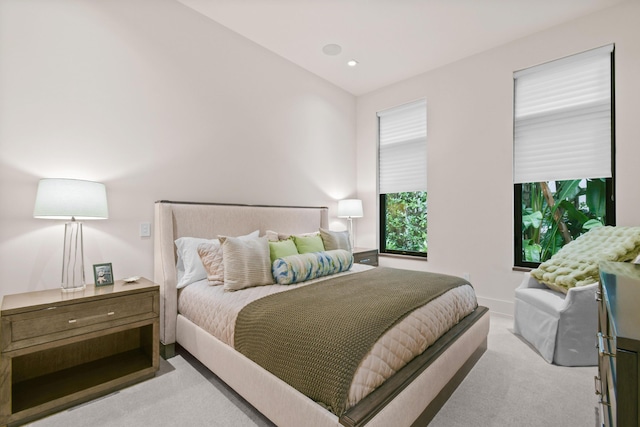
576,264
303,267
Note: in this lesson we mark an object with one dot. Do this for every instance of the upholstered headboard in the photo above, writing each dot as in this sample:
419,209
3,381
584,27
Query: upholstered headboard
208,220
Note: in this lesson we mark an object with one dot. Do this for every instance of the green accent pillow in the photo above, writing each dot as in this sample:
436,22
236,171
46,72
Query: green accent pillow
282,249
306,244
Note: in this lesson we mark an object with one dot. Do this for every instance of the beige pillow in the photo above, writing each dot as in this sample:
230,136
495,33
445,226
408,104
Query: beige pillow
335,240
246,262
275,236
211,257
210,253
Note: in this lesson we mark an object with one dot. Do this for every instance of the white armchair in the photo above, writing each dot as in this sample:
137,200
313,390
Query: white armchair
561,327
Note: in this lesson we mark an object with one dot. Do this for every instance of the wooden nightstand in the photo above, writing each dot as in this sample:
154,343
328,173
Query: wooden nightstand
365,256
59,349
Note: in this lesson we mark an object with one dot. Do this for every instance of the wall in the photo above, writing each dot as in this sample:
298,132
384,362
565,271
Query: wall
157,102
469,133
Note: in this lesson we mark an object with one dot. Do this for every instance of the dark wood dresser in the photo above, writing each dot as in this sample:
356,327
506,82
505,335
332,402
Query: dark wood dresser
619,344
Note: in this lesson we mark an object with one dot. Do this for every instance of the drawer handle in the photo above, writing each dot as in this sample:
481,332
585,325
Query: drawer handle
597,384
110,313
601,346
598,296
365,260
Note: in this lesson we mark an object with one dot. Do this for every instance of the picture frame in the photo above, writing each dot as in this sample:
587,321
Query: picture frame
103,274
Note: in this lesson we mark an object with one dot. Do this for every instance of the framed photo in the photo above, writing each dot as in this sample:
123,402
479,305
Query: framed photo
103,274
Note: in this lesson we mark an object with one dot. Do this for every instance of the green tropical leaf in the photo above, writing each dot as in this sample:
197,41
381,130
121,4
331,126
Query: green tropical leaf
573,213
531,251
533,219
567,190
596,197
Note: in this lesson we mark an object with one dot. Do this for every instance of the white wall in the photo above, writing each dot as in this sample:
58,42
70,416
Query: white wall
157,102
469,133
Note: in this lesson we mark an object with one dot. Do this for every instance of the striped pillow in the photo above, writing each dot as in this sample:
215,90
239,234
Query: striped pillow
246,263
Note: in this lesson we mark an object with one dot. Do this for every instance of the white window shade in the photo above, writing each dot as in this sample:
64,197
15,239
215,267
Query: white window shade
403,148
562,119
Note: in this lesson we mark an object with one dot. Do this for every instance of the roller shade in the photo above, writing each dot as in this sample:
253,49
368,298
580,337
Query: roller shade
403,148
562,119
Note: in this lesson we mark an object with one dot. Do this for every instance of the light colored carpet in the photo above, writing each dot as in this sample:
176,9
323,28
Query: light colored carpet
510,386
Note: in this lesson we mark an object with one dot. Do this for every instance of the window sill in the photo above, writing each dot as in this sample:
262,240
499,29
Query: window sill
400,256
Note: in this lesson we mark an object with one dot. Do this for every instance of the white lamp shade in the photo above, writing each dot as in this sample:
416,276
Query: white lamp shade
350,208
70,198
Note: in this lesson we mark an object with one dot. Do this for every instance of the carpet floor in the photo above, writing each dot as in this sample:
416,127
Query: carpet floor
511,385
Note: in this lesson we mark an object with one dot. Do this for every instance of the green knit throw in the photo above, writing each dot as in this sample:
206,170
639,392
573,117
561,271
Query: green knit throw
314,337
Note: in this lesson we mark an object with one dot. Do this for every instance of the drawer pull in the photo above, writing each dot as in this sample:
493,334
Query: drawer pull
72,321
598,296
111,313
601,349
597,385
365,260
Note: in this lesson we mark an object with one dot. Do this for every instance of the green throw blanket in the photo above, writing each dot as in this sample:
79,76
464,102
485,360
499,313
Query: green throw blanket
315,337
576,264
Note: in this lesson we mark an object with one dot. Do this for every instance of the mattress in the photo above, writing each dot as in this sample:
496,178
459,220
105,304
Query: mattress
215,311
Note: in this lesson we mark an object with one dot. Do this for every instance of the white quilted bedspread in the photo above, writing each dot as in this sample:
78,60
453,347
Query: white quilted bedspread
215,311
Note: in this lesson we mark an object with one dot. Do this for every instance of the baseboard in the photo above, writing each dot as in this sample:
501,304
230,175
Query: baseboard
497,306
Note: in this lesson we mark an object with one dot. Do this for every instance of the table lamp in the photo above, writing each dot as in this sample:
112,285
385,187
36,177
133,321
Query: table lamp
350,208
71,200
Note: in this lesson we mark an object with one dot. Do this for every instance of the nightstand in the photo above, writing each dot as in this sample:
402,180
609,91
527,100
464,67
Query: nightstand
59,349
365,256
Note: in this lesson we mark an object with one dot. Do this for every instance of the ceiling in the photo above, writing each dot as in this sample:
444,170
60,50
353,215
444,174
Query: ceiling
391,39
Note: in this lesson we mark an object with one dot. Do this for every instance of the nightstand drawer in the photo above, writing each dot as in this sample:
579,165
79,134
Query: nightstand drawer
63,321
365,256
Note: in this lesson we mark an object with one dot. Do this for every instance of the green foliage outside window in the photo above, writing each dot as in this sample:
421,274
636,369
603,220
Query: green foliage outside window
554,213
406,222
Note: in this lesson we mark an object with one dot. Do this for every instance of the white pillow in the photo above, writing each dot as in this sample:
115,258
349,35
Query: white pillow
189,265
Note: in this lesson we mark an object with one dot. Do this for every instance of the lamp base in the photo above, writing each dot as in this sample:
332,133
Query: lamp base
73,258
74,289
352,238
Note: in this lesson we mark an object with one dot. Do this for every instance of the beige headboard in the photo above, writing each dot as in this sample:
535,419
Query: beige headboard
208,220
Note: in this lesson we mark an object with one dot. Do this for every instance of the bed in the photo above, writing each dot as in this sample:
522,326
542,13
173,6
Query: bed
409,397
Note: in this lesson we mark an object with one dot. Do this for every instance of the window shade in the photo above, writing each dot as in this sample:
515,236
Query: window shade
562,119
403,148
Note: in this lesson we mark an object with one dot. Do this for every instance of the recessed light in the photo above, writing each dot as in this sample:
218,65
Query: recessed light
332,49
352,63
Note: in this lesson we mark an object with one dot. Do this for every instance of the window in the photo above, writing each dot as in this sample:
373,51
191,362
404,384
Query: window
563,152
402,171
